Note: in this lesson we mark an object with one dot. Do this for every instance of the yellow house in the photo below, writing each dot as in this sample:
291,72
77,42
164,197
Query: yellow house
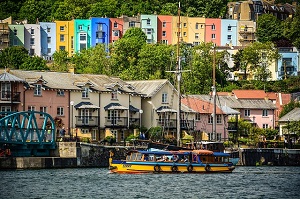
65,36
196,30
183,29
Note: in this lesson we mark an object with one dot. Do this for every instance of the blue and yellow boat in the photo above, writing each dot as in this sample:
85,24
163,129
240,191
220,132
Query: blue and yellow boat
196,161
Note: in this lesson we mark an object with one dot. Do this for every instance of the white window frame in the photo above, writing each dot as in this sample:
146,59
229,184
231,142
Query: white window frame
132,24
247,112
60,111
43,109
164,98
62,28
197,36
265,126
213,36
265,112
85,93
197,116
31,41
148,22
164,33
114,95
210,119
148,31
229,28
219,119
229,37
31,108
37,90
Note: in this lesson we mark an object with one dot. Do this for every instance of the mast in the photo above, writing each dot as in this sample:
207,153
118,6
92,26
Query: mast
178,72
214,95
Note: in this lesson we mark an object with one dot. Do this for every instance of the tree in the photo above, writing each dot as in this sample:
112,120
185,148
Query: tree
292,30
94,60
106,8
34,9
34,63
289,107
60,61
13,57
269,28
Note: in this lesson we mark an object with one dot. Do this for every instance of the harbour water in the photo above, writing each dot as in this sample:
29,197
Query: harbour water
244,182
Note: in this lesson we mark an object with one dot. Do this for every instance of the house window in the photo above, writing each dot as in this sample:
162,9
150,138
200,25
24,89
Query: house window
265,112
115,133
115,25
213,36
196,35
122,136
213,27
219,119
38,90
115,33
31,51
149,31
94,134
31,41
48,40
164,41
197,26
82,37
228,37
62,28
72,42
43,109
80,27
229,28
31,108
184,34
184,25
60,93
62,37
32,31
148,22
48,50
164,33
164,98
84,131
114,95
247,112
48,29
219,136
62,48
85,93
131,24
164,24
197,117
60,111
210,119
265,126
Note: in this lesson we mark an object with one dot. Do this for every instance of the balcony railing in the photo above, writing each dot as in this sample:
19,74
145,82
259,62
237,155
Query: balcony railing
187,124
86,121
116,122
10,96
166,123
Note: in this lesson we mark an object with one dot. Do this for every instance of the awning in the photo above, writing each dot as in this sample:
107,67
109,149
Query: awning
115,106
86,105
165,109
133,109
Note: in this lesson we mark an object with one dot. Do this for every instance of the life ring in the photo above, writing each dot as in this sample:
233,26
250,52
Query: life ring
190,168
207,168
174,168
157,168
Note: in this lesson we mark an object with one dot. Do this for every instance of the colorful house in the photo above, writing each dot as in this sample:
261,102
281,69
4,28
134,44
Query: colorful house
287,65
229,32
184,29
100,31
82,34
48,39
213,31
164,29
149,26
196,26
116,29
16,35
32,38
65,36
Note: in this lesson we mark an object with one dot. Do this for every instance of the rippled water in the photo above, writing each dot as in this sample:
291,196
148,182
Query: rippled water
244,182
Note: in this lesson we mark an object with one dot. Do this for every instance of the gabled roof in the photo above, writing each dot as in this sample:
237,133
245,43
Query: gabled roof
293,115
200,106
149,87
86,105
165,109
115,106
7,77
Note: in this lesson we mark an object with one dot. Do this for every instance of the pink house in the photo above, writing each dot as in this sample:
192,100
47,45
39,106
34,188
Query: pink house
213,31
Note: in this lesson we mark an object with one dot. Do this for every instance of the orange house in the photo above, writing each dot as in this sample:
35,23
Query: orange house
164,29
213,31
116,29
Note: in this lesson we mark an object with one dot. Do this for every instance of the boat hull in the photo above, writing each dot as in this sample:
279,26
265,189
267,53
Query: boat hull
141,167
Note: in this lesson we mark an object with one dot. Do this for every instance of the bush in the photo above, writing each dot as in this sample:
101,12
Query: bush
131,137
87,140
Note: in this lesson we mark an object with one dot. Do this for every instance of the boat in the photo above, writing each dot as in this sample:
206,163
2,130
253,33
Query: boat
182,161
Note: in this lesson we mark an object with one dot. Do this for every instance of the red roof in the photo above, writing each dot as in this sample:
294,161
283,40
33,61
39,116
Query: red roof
249,94
200,105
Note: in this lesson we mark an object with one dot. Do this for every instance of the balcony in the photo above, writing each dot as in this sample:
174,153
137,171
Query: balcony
117,122
86,121
187,124
167,123
10,96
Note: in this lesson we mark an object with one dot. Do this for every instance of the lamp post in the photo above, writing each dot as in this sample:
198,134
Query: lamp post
140,111
72,104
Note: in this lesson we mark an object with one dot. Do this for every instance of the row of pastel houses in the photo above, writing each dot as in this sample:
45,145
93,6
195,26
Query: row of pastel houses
97,106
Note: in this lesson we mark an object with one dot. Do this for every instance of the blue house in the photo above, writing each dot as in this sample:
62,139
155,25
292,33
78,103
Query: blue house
287,65
82,34
100,31
48,39
229,32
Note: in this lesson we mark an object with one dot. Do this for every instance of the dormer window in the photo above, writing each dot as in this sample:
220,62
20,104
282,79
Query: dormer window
38,90
114,95
85,93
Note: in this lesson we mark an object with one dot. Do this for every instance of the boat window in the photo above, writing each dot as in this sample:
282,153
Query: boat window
138,157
